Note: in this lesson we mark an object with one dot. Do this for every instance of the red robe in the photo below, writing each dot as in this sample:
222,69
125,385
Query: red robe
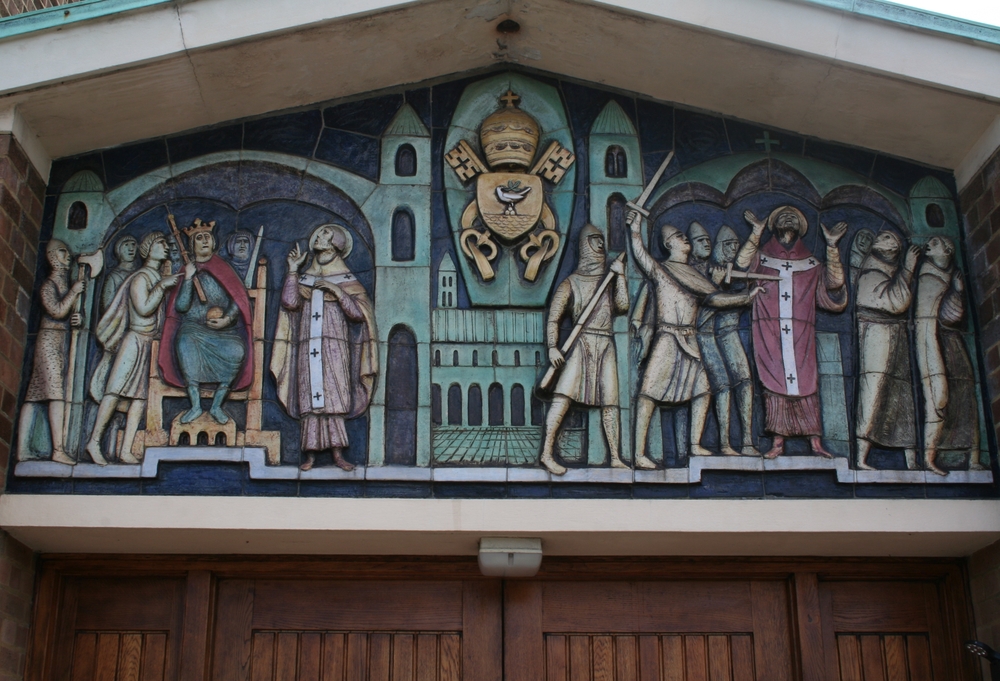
231,282
784,335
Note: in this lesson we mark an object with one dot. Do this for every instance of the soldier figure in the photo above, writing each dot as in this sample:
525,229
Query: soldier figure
590,370
674,372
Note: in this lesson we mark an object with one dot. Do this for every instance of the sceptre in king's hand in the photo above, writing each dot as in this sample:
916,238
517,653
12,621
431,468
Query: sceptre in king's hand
185,257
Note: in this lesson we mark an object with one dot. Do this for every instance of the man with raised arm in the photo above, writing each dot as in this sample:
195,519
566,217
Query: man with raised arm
674,373
784,320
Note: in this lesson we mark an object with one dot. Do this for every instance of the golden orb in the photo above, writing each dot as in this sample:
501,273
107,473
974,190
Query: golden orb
509,136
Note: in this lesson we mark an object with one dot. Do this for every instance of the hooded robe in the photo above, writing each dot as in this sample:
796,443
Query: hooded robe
886,413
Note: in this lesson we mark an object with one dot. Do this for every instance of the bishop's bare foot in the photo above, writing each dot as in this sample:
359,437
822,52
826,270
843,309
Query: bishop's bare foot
308,463
777,449
698,450
60,456
729,451
340,462
816,445
643,462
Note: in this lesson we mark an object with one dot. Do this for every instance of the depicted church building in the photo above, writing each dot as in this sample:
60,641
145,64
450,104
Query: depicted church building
498,341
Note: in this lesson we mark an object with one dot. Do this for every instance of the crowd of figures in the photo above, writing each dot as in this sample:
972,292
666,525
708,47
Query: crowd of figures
686,318
184,315
177,308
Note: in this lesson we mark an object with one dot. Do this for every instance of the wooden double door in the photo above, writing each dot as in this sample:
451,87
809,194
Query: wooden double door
426,620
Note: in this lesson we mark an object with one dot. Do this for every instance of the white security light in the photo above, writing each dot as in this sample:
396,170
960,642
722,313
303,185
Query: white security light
510,556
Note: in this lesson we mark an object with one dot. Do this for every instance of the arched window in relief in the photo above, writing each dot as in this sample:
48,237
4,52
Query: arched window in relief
454,358
517,358
475,358
435,404
538,358
617,231
403,236
475,405
437,358
77,216
517,405
496,404
496,358
455,405
615,162
934,215
406,161
401,400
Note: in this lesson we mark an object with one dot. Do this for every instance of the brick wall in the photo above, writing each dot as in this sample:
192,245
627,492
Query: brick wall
21,193
981,205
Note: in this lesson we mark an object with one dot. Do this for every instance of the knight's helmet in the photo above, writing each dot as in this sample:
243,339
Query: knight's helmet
726,236
509,136
591,260
696,231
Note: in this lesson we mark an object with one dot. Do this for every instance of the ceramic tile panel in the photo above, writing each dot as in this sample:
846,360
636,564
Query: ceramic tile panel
505,284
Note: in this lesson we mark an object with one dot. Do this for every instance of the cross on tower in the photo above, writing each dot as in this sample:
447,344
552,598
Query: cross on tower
510,99
767,142
790,378
786,328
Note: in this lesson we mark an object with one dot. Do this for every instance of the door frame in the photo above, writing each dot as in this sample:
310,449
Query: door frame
804,578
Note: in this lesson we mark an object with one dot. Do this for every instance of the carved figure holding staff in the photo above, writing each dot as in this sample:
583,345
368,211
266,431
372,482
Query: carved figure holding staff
325,358
48,375
590,368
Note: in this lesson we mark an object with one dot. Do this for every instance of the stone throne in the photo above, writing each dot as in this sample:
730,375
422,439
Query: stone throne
204,428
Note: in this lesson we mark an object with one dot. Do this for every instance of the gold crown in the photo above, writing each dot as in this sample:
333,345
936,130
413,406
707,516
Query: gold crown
199,226
509,136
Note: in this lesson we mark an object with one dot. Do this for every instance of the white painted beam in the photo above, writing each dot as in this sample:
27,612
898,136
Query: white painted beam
245,525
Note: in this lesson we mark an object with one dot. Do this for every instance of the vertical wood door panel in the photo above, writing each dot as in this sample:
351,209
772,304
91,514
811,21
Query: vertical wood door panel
382,631
648,631
891,631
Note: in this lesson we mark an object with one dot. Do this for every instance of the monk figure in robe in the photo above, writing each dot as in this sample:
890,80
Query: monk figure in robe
48,375
886,412
947,378
207,342
325,359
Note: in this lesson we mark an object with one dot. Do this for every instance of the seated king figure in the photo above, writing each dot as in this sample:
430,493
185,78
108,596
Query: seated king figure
207,340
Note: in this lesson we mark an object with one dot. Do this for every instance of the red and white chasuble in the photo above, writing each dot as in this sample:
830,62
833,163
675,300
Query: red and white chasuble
784,333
